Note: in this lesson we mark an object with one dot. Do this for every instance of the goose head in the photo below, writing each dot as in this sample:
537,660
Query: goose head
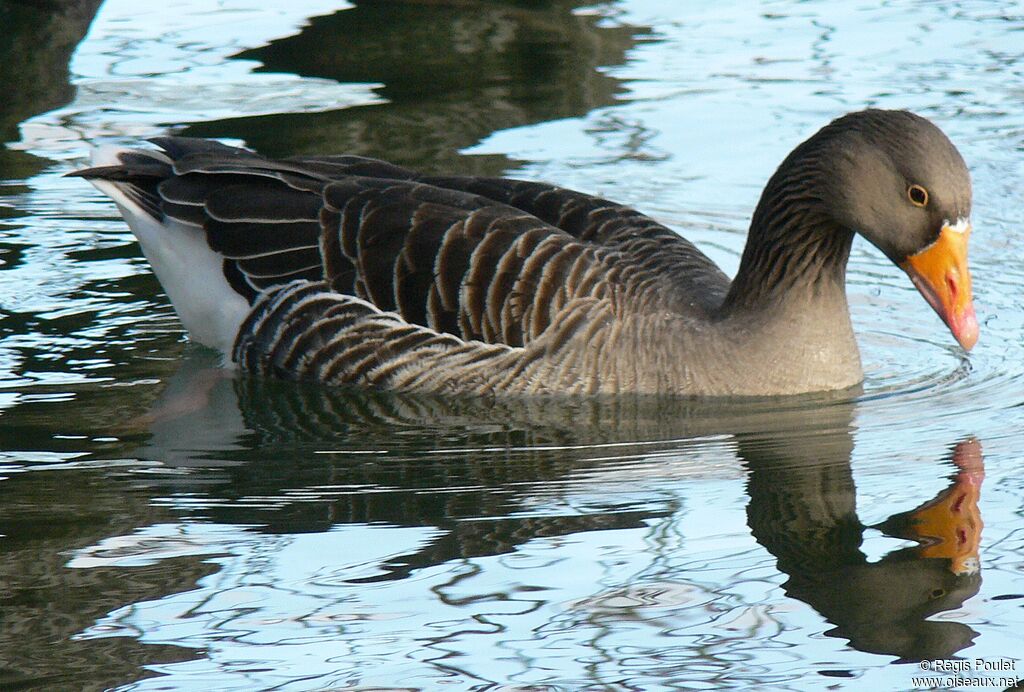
900,183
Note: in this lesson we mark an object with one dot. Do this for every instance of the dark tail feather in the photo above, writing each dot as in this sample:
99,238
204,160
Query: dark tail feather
137,175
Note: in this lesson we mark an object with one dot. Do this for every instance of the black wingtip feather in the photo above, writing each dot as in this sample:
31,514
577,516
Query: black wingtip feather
179,147
132,167
100,172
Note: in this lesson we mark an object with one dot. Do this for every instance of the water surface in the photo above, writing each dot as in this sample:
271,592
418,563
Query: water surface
165,524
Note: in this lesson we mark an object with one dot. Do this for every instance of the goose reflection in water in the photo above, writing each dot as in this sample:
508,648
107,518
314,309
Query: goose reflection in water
805,515
801,489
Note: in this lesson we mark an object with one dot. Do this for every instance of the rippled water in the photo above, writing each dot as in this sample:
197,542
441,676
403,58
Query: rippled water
167,525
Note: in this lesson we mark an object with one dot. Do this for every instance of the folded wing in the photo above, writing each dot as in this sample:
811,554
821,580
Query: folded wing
485,259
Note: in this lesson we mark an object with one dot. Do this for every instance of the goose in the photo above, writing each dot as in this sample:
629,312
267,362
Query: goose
347,270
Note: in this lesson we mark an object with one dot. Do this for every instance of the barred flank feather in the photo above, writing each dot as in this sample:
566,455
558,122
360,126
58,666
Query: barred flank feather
306,331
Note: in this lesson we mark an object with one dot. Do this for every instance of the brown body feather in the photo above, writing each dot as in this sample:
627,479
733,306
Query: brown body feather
361,272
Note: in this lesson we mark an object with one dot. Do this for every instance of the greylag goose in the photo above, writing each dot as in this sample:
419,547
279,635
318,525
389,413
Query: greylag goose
349,270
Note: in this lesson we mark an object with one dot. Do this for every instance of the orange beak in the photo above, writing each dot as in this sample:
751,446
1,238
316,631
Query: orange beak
940,273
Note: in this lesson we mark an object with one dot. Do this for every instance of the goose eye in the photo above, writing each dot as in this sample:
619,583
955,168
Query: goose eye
917,195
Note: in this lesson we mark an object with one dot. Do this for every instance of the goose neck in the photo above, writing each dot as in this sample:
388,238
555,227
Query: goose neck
795,251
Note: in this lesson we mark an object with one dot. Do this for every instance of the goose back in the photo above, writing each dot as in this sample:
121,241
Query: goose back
486,259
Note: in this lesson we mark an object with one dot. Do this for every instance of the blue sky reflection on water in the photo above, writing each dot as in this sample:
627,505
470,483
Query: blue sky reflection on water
255,542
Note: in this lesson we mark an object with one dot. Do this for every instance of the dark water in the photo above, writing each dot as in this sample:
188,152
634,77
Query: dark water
165,524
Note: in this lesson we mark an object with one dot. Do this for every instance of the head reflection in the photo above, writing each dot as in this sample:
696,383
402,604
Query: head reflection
805,515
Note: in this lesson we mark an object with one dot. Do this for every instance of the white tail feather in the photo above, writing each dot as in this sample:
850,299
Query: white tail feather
190,272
